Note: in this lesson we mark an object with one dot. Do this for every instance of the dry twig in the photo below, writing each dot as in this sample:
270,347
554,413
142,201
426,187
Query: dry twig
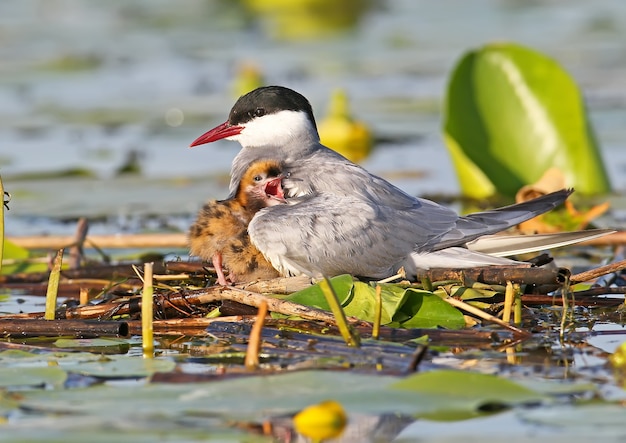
183,300
592,274
251,360
471,309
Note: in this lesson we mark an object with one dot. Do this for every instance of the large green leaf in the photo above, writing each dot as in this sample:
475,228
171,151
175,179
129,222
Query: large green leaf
427,310
409,308
314,297
510,114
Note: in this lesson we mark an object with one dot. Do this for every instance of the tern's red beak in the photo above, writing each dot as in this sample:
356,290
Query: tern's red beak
219,132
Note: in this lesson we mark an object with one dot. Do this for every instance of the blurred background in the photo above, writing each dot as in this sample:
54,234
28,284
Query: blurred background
100,100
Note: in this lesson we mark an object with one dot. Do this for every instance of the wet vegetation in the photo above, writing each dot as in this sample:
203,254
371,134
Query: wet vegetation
491,354
453,345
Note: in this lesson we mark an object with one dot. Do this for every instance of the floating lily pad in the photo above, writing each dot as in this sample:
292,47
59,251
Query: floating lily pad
38,376
599,419
436,395
459,394
107,345
125,367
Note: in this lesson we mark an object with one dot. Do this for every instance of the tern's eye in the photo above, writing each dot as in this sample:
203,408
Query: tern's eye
259,112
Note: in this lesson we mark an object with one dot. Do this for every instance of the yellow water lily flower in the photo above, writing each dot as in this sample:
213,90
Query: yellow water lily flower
321,421
340,132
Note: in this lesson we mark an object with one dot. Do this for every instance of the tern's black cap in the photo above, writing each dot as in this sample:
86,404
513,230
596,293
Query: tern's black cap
269,100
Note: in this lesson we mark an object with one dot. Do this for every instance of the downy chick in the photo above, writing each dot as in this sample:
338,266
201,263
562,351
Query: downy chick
220,234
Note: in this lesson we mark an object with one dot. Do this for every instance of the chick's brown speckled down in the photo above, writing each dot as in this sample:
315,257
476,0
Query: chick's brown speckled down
220,233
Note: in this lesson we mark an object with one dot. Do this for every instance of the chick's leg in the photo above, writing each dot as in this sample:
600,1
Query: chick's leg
217,264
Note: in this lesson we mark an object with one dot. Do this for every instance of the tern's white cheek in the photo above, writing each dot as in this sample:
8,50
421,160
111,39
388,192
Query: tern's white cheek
279,129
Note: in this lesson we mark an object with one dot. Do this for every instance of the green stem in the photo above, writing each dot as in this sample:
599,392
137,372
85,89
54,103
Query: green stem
517,312
347,332
53,286
378,313
147,312
565,290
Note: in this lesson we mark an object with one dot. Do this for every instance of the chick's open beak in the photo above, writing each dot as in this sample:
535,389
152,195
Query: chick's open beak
274,188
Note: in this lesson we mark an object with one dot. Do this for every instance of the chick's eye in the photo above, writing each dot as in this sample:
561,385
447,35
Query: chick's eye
257,178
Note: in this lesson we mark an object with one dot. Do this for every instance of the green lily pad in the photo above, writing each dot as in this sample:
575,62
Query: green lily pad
16,357
111,366
20,376
16,354
125,367
458,394
597,420
437,395
107,345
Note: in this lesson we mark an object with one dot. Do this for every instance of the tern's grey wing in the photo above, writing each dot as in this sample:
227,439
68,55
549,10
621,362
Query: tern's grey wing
330,235
475,225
